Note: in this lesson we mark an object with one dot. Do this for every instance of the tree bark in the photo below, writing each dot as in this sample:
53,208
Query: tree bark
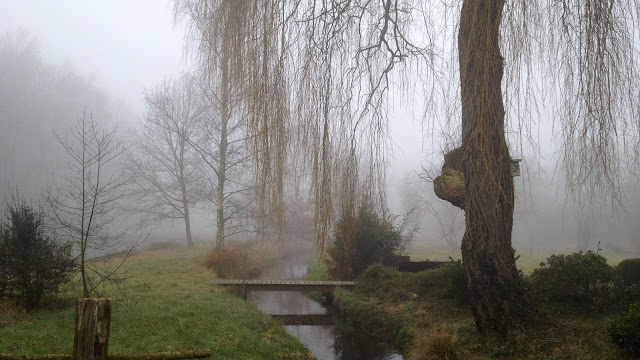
492,278
185,200
450,187
187,221
223,146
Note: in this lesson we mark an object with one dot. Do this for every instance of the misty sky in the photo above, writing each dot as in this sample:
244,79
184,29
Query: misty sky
125,46
128,45
122,45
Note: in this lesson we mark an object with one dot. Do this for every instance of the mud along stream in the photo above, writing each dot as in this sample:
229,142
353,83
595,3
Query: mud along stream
326,339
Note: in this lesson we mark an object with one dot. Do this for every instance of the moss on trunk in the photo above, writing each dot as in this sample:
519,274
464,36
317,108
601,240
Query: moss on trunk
449,186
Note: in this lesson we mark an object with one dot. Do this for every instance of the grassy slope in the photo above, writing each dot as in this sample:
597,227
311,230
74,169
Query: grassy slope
168,303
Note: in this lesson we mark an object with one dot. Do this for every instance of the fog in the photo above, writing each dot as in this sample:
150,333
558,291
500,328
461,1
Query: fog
37,98
546,217
60,60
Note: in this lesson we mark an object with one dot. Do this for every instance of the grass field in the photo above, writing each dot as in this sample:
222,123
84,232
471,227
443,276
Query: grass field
169,302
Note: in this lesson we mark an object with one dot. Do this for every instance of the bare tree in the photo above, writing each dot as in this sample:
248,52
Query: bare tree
234,42
165,169
82,205
227,43
222,144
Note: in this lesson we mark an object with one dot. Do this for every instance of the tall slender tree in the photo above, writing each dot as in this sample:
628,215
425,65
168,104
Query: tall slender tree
236,48
221,29
221,144
166,173
82,204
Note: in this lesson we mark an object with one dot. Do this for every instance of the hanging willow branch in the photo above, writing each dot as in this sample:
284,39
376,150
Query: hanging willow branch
585,54
316,76
326,65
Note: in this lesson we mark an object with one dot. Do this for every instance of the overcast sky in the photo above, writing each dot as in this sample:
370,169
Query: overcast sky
122,45
128,45
125,46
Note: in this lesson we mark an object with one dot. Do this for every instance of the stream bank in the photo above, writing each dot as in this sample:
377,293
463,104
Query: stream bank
328,338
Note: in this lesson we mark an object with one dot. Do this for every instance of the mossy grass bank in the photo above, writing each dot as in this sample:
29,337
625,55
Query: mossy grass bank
426,315
168,302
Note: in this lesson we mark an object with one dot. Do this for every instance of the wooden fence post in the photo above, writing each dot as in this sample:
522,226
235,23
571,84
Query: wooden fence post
93,320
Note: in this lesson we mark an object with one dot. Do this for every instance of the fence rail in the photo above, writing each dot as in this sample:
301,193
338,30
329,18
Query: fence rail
171,355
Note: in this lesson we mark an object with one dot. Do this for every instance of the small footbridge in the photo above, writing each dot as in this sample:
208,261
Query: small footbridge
285,285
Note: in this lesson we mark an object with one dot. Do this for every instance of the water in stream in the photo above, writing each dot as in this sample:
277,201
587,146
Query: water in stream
326,342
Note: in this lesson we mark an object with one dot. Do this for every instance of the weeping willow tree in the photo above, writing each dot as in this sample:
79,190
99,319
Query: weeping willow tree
587,53
319,75
235,49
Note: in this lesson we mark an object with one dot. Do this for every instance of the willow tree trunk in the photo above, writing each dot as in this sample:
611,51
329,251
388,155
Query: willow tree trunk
494,290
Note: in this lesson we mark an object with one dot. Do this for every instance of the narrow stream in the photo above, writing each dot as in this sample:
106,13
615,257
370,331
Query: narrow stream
326,342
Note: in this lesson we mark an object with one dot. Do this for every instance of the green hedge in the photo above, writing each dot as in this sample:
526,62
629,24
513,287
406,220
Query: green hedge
582,282
629,269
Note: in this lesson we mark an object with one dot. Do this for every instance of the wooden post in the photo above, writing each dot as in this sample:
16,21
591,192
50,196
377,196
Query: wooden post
93,320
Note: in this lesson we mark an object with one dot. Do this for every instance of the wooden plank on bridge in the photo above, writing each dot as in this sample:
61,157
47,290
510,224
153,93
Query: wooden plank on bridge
286,285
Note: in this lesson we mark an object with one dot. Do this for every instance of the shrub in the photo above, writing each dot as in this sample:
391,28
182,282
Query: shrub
227,263
633,293
362,239
583,281
31,264
625,330
434,345
244,260
629,269
447,281
384,283
381,321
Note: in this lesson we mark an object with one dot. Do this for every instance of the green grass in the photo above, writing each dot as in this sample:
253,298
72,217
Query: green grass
317,270
169,302
405,309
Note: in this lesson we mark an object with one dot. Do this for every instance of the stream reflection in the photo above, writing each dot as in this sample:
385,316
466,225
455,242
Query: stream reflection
328,342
